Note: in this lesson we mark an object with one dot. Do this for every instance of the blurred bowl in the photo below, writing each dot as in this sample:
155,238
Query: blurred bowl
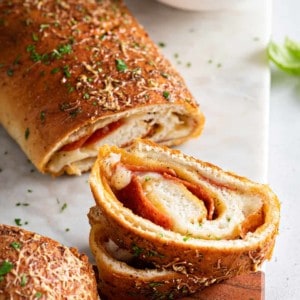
199,5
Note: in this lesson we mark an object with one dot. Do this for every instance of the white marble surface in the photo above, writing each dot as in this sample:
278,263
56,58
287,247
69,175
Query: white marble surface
229,77
222,57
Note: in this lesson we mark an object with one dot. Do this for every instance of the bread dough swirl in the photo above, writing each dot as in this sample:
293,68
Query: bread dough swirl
122,276
193,217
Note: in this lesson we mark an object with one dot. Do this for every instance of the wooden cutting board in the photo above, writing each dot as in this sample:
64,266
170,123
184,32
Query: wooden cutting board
243,287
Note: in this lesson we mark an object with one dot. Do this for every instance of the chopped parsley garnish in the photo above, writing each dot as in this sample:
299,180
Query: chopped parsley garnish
86,96
18,222
162,44
15,245
64,206
166,94
121,65
55,70
35,37
17,60
66,71
165,75
35,57
42,116
47,57
154,284
23,204
44,26
186,238
38,295
10,72
136,250
61,50
24,280
27,133
5,268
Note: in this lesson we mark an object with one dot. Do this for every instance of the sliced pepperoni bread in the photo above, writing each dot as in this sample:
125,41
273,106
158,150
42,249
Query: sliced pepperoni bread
123,276
182,214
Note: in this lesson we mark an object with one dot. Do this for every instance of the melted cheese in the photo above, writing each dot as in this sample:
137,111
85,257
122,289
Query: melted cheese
135,126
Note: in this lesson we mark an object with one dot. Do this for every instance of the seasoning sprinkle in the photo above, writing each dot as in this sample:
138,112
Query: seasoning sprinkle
136,250
186,238
44,26
22,204
42,116
121,66
155,284
166,94
66,71
18,222
10,72
24,280
5,268
27,133
35,37
15,245
64,206
55,70
38,295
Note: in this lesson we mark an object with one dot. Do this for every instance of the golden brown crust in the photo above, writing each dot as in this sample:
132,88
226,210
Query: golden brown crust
37,267
209,256
67,64
120,280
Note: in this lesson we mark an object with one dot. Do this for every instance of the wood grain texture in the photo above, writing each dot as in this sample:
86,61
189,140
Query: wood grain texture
243,287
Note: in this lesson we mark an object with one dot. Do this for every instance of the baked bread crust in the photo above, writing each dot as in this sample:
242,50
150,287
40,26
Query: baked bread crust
118,279
71,67
200,255
37,267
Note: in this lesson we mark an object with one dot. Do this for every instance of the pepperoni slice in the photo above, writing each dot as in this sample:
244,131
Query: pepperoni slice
133,197
95,137
195,189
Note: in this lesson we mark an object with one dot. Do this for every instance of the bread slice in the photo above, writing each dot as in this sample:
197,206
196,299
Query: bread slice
233,231
121,276
36,267
78,74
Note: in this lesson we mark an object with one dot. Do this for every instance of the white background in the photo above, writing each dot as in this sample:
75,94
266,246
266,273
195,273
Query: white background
283,273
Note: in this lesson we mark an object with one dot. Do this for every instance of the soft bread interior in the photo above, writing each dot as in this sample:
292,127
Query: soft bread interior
162,124
186,212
